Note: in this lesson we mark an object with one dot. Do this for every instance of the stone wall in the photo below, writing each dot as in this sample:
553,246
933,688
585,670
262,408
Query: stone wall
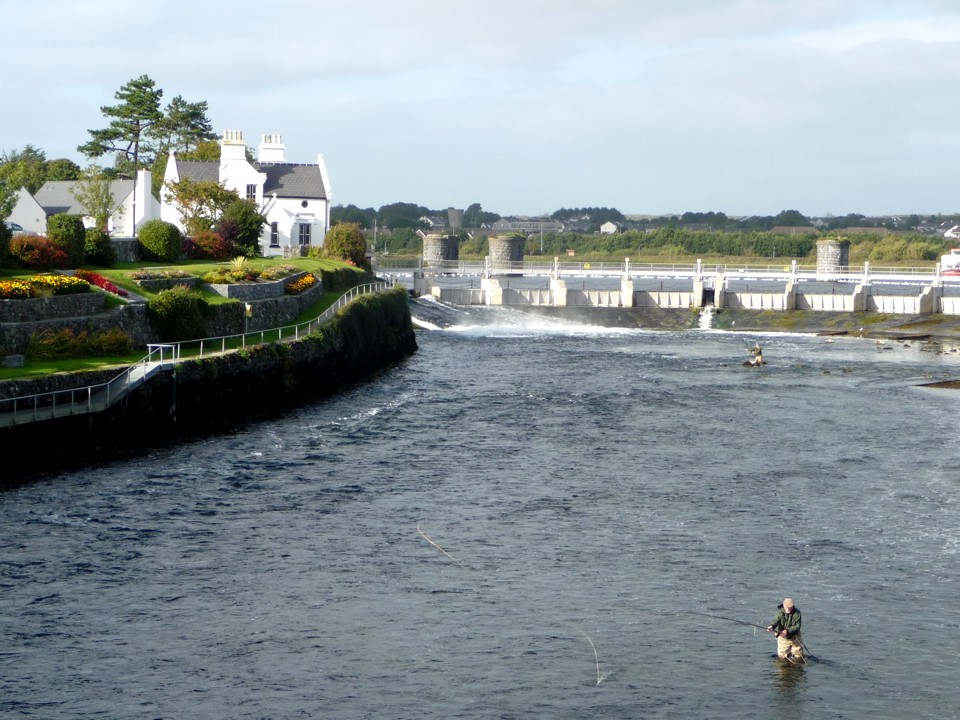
131,319
127,249
56,306
257,290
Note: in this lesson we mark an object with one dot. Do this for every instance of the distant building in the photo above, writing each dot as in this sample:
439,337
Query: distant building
527,225
611,228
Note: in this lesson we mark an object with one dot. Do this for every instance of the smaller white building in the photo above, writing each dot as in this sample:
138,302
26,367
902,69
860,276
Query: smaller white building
55,196
294,197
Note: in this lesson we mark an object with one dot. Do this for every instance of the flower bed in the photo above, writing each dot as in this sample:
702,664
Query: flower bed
42,285
101,282
301,284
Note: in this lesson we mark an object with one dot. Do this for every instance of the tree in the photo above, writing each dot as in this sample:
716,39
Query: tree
63,169
93,192
475,216
183,126
201,203
68,232
24,168
241,226
132,119
346,242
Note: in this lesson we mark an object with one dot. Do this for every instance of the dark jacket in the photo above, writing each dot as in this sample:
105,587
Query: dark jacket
787,621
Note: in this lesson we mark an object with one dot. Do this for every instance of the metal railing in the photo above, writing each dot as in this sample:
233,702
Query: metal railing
94,398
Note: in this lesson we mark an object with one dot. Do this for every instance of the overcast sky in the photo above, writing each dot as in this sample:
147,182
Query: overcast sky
527,106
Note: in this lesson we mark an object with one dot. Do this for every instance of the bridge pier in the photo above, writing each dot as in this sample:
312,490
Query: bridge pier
492,291
558,292
626,292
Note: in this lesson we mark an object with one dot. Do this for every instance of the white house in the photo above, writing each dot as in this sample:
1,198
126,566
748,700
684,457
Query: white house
55,197
610,228
28,214
294,197
951,234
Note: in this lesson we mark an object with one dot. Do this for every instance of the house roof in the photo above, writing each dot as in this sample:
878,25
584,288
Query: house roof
199,170
293,180
286,180
54,196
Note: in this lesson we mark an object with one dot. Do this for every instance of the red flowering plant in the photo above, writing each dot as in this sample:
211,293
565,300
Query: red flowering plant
101,282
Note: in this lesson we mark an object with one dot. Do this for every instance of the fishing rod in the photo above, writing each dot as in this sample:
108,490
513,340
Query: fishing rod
739,622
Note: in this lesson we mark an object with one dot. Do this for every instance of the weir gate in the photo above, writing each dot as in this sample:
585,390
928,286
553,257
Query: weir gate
907,291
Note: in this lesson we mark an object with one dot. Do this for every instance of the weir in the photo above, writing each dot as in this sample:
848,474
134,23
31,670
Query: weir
903,291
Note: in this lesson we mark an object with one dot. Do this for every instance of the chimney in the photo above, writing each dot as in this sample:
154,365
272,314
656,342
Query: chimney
271,149
232,146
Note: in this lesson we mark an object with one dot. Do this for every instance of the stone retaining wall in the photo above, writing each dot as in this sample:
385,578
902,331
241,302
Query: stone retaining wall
257,290
16,310
131,319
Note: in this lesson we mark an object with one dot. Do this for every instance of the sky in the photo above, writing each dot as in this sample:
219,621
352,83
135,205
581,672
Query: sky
747,107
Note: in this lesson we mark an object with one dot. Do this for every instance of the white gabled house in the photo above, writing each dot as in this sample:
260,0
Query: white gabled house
54,197
294,197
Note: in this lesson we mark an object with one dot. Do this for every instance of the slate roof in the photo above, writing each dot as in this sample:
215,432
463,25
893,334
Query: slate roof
198,170
55,196
292,180
287,180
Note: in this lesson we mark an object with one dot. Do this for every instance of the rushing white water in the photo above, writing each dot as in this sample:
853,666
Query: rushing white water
517,522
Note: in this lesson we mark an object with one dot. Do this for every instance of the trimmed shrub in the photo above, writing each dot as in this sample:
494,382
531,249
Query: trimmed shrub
37,252
159,240
98,249
207,245
346,242
179,314
68,232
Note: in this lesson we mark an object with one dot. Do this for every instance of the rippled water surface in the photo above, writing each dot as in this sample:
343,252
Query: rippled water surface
522,521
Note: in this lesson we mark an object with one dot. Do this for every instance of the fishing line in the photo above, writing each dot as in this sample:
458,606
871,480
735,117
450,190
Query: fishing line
596,656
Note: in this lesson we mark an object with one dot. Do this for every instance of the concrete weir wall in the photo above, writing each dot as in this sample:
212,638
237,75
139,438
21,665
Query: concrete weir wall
503,290
216,393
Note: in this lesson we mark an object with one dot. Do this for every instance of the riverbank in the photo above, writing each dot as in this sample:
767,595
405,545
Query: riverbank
215,394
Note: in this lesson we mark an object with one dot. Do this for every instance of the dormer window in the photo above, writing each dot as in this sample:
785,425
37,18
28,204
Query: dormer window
251,192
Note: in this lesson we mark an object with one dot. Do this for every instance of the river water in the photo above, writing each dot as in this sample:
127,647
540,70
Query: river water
526,519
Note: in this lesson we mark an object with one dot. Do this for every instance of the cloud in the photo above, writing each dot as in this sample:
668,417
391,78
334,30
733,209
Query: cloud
531,105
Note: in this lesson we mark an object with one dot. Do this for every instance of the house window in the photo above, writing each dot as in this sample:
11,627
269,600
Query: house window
304,233
274,234
251,192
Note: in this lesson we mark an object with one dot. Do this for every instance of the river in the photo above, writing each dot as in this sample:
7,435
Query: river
526,519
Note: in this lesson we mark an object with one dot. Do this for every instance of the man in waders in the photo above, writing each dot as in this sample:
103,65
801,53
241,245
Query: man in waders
786,625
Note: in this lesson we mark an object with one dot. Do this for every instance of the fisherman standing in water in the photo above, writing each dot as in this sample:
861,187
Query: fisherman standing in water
757,355
786,625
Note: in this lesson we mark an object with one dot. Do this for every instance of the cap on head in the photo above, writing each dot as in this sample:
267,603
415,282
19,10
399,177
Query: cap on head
788,603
